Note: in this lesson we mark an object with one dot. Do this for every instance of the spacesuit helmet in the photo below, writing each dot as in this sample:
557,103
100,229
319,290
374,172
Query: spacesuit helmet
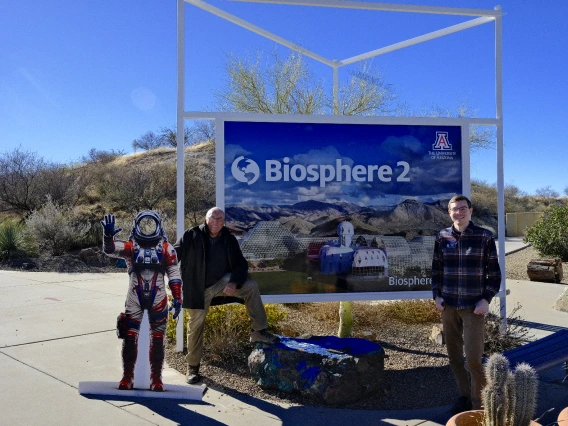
147,228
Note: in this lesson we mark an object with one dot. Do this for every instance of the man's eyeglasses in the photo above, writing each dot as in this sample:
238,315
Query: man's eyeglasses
459,209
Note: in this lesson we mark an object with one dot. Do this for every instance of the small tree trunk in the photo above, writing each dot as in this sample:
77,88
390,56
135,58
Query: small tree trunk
345,319
547,270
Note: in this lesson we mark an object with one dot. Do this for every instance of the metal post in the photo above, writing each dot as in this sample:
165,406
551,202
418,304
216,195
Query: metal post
500,174
180,197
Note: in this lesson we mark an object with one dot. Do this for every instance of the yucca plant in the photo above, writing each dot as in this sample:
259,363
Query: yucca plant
14,240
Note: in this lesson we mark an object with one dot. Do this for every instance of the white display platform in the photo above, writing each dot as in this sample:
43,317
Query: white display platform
142,377
194,392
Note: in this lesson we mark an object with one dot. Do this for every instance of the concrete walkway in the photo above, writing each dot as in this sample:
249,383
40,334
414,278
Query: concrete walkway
59,329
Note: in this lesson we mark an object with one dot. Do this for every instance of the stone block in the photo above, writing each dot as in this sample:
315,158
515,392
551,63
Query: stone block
329,369
561,303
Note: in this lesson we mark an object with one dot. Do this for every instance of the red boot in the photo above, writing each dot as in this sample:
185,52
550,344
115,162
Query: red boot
157,354
129,353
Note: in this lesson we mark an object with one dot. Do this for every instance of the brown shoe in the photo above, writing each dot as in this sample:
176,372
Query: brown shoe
263,336
192,375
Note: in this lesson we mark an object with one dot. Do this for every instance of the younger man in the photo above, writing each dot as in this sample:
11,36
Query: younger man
465,277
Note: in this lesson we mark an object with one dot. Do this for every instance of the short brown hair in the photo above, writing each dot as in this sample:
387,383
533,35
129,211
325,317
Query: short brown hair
457,198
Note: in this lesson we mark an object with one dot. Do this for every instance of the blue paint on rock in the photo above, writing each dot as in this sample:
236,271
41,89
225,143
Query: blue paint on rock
331,346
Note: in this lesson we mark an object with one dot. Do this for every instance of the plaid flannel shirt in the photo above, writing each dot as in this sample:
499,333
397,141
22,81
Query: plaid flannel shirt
465,267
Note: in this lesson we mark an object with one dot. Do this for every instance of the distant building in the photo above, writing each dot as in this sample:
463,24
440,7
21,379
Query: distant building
270,240
345,257
362,255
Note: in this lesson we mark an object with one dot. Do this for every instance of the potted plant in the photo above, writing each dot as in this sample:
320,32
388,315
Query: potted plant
509,398
563,417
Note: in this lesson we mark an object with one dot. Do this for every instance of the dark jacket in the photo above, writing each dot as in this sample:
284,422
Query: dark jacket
191,250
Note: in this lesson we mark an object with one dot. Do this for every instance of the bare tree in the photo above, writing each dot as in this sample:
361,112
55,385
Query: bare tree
26,179
167,137
201,131
285,86
365,93
147,141
547,193
288,86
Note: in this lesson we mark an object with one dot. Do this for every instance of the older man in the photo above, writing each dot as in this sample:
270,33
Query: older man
212,264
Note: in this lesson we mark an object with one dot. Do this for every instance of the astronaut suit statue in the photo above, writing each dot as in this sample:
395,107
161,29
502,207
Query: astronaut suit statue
148,256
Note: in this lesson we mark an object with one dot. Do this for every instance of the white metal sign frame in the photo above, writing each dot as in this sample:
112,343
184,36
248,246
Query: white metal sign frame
482,16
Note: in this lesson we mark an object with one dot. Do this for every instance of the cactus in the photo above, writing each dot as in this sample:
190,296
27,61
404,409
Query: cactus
509,399
526,388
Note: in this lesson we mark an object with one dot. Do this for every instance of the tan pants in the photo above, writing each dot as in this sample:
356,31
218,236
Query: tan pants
248,292
464,332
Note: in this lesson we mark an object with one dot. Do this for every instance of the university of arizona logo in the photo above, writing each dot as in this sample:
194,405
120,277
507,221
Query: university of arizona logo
442,142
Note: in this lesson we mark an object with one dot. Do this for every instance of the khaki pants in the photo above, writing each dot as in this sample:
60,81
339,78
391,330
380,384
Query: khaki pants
248,292
464,332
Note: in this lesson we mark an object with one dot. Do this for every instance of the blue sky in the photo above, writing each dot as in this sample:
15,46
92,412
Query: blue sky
81,75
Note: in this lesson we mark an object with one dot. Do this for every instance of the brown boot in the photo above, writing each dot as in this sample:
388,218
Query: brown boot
129,354
192,375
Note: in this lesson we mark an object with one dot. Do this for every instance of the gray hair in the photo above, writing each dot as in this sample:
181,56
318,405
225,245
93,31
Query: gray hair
213,210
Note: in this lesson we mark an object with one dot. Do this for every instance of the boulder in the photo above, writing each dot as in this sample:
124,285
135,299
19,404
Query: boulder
437,335
329,369
90,255
561,303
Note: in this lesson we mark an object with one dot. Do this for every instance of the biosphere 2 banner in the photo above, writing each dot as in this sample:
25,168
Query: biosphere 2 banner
345,209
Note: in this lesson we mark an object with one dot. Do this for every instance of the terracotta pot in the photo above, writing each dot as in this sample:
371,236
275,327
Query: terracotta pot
467,418
475,418
563,417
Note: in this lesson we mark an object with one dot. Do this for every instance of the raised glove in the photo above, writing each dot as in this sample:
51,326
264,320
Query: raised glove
108,224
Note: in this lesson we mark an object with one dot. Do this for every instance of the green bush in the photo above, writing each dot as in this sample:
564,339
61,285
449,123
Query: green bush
55,227
549,234
15,241
227,329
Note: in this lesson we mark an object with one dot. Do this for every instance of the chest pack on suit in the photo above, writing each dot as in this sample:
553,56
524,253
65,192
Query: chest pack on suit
147,264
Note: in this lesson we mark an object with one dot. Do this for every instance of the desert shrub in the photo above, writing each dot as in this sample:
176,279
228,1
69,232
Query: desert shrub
15,241
227,329
199,190
55,227
483,198
515,333
549,234
102,156
139,189
406,311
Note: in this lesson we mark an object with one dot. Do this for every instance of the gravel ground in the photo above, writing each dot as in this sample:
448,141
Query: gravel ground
416,371
417,374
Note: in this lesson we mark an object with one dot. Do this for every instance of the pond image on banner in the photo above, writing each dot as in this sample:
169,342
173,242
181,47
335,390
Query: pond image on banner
339,207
